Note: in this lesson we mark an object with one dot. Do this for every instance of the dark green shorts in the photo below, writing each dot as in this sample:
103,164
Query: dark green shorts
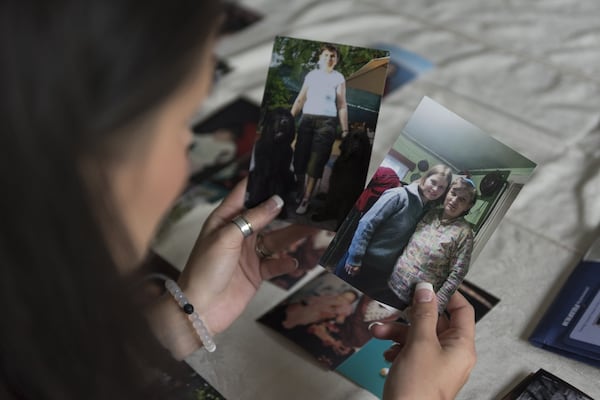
316,135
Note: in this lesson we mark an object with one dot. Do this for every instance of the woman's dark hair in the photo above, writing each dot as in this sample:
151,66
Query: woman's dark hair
74,75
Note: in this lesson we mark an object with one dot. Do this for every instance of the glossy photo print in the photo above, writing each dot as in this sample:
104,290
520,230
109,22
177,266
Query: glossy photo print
430,207
328,318
317,125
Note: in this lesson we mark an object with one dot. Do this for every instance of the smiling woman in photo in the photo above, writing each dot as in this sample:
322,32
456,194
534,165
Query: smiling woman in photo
384,230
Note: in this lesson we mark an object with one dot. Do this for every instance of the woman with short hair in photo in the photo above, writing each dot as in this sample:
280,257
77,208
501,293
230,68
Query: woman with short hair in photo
439,251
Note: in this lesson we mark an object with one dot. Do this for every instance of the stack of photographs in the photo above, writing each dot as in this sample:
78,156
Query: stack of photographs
434,201
448,226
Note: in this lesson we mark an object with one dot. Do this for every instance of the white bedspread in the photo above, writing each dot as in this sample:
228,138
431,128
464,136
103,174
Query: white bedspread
525,71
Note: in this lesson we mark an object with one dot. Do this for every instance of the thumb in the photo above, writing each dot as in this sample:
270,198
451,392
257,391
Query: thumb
424,312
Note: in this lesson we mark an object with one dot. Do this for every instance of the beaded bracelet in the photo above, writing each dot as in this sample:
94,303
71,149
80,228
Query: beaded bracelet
193,316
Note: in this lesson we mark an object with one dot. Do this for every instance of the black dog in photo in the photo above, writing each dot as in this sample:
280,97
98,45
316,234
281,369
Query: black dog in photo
348,176
270,168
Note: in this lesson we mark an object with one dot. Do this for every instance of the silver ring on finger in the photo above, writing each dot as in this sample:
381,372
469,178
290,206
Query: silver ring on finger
244,225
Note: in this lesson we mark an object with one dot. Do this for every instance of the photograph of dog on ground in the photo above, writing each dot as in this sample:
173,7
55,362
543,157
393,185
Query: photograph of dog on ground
317,125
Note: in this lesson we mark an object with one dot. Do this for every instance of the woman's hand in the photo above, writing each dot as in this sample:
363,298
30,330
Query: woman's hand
224,271
431,359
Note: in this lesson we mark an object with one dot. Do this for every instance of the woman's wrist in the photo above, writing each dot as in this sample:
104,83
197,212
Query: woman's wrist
172,327
192,314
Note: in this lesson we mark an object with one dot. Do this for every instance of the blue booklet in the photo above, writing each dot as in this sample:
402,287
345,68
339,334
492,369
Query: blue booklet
571,325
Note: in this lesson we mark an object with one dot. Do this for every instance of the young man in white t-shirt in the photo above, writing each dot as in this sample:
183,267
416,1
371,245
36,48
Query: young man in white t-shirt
322,100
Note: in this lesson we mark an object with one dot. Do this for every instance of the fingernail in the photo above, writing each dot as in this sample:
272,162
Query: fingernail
275,203
296,263
372,324
424,292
